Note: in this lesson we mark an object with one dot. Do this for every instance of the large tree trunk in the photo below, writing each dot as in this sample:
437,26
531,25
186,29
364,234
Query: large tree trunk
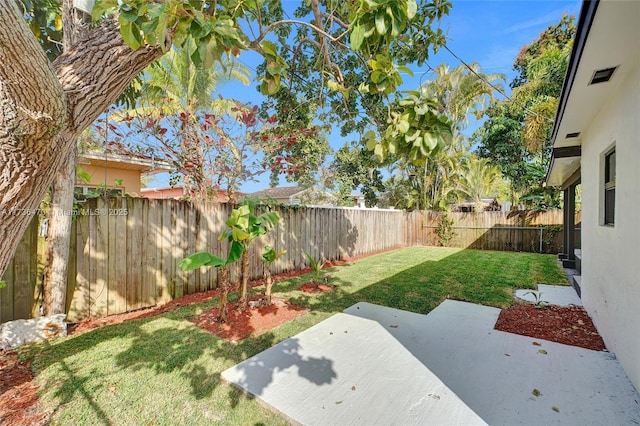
59,236
77,25
32,113
44,107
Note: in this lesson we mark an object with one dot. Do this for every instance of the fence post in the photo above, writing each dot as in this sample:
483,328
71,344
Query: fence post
541,228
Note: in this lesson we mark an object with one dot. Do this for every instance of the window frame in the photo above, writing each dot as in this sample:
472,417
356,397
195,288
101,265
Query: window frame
609,187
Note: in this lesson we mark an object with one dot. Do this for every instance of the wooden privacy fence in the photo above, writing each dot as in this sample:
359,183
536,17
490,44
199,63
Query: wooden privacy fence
18,296
124,251
529,231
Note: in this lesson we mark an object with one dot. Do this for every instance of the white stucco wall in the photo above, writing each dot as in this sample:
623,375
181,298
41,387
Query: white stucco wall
611,255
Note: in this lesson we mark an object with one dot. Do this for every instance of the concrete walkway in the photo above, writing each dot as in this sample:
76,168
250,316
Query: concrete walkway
378,365
561,295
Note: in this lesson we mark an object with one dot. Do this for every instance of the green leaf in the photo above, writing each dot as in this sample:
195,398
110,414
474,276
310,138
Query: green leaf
209,53
430,141
403,126
197,260
270,255
82,176
371,139
269,48
101,7
238,234
273,85
235,252
406,70
357,37
381,26
129,15
412,8
378,151
127,30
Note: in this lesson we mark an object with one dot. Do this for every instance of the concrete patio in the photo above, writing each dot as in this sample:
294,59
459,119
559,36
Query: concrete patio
378,365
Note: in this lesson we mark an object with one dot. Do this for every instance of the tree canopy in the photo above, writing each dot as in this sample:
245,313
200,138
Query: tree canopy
47,105
517,132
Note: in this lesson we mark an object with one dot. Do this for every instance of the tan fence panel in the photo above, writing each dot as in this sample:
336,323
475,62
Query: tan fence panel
17,297
124,251
517,231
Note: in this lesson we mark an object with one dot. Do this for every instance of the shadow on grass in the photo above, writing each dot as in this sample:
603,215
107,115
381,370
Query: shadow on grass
173,346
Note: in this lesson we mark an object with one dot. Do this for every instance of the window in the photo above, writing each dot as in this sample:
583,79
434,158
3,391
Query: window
83,193
610,187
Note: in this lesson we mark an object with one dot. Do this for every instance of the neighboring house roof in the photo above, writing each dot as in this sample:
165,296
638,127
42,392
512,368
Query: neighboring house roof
279,192
177,192
297,194
124,162
606,37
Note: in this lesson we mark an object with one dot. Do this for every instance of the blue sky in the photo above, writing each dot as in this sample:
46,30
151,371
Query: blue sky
488,32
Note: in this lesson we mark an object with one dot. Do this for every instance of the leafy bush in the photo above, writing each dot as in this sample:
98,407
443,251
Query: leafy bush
445,231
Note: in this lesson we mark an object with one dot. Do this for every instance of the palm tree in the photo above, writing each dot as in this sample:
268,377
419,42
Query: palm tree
540,94
461,91
458,92
479,179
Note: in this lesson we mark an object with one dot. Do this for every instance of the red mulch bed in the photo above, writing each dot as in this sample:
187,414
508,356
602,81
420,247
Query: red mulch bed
570,325
172,305
313,288
18,394
91,324
252,321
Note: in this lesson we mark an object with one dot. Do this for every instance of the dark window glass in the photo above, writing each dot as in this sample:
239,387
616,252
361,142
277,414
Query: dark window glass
610,188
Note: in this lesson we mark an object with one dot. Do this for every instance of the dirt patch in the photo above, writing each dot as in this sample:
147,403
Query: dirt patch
18,393
570,325
252,321
313,288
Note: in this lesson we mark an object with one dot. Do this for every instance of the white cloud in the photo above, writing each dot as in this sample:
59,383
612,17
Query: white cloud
541,21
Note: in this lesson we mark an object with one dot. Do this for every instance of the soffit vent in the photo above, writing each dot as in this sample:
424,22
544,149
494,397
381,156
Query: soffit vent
572,135
602,76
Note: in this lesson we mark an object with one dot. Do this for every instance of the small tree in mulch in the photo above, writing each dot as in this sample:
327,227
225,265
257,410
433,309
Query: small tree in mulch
203,258
244,227
316,266
268,257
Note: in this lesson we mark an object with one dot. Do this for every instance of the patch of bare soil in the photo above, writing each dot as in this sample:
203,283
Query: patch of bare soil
257,319
570,325
313,288
18,393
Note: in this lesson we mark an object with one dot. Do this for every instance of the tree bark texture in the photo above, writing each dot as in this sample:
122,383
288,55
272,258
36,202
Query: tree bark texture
77,26
245,278
224,291
59,237
45,106
268,283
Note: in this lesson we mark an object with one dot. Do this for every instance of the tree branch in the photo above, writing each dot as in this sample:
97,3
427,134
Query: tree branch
255,44
97,69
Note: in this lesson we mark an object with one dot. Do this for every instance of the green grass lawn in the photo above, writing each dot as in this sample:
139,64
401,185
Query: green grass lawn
166,371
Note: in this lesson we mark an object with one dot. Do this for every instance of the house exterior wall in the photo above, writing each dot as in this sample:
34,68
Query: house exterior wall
130,178
162,193
611,254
